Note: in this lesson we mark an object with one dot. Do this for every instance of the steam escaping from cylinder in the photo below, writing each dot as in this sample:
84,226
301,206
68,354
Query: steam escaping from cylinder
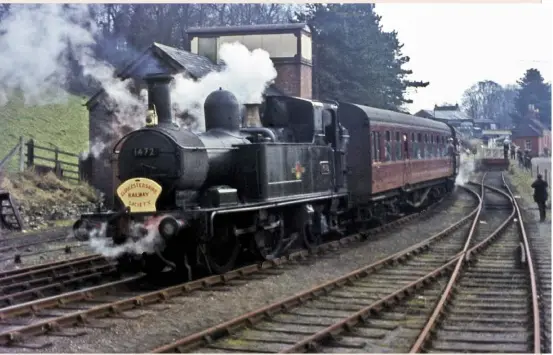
144,238
245,73
466,169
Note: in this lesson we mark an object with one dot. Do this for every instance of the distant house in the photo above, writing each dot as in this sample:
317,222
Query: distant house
452,115
532,135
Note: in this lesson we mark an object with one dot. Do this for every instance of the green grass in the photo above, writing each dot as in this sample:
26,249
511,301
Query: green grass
64,125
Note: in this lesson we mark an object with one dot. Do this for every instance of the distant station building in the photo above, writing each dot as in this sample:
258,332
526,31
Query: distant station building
452,115
289,47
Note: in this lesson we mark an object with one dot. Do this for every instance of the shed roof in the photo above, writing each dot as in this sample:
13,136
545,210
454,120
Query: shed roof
451,115
161,58
529,128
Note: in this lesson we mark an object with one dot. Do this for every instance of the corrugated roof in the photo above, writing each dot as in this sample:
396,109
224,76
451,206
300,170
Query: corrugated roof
451,115
196,65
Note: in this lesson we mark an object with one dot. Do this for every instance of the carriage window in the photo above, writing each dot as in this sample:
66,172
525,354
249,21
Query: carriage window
388,147
432,147
376,146
426,154
413,148
419,150
405,138
398,146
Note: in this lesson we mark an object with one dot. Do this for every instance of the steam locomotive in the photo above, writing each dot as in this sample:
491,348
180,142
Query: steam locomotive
263,181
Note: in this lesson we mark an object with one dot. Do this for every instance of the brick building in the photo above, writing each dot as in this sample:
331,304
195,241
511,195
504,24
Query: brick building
289,47
532,135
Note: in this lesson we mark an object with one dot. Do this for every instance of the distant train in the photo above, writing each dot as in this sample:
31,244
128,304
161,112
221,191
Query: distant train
262,181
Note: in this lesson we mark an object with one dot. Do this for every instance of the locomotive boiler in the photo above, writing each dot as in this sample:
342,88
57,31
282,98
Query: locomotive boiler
253,184
259,182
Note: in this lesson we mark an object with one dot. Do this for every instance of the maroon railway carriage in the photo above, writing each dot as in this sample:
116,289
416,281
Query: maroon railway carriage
396,160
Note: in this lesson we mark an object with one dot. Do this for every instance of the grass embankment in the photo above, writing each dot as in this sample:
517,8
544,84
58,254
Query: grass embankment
64,125
45,200
522,181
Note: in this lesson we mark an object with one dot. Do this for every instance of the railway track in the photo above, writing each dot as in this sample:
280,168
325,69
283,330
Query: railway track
384,306
54,315
24,240
18,286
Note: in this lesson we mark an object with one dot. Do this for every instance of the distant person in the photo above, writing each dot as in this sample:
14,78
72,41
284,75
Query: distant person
540,195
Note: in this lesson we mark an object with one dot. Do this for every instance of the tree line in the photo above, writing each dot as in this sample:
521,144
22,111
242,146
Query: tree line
354,59
509,105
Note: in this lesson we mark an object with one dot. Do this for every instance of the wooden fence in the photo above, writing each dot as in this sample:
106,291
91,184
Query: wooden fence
65,165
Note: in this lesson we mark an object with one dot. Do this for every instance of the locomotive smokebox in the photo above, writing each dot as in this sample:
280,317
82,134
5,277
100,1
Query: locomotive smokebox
251,118
159,96
222,111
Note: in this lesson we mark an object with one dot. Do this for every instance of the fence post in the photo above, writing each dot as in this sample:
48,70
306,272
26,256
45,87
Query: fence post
30,153
21,154
57,165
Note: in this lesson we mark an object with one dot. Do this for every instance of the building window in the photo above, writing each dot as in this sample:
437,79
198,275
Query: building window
528,145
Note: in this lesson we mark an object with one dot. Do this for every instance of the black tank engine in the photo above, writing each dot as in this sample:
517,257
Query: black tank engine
254,182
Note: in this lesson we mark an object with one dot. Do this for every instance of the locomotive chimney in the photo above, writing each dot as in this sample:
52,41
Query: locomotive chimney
251,118
159,96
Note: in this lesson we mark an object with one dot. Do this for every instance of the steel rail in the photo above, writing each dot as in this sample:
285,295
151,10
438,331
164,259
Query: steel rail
24,245
38,267
204,337
309,342
11,337
439,310
47,269
67,248
531,271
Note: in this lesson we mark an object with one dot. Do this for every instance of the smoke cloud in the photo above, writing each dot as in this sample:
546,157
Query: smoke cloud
35,44
37,40
246,74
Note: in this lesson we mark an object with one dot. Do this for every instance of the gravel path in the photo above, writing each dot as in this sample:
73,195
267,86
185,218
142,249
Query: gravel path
185,315
539,235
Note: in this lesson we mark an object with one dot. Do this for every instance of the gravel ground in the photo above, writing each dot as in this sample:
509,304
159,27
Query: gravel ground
539,235
185,315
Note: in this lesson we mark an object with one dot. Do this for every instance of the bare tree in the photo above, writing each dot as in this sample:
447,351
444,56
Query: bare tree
488,100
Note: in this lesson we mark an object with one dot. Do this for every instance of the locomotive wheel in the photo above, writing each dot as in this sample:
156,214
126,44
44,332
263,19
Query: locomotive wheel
125,264
152,264
269,243
311,239
222,252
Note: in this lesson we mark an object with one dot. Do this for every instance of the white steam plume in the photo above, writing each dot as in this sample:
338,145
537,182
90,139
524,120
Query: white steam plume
466,169
34,40
246,74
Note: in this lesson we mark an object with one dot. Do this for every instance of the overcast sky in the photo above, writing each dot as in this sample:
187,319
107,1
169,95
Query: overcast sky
456,45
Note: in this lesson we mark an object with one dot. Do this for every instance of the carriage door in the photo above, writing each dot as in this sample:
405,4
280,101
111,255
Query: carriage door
406,155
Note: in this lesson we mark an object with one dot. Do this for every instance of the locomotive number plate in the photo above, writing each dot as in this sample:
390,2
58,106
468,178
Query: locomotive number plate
145,152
